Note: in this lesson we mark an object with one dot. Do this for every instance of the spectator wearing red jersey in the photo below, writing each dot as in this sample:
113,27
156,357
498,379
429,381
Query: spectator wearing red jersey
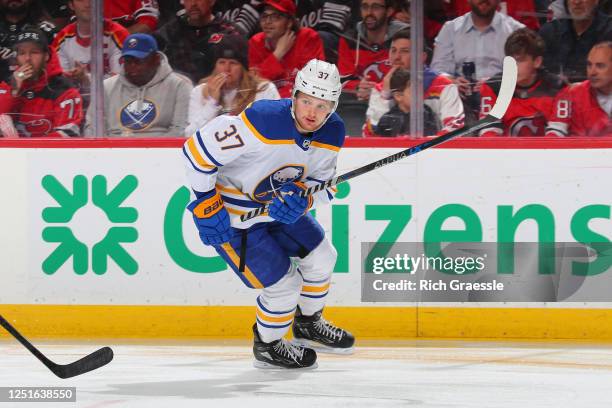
282,48
360,50
43,102
138,16
589,112
72,44
538,93
440,94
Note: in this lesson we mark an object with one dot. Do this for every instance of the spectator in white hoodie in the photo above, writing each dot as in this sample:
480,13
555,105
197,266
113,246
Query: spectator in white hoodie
230,88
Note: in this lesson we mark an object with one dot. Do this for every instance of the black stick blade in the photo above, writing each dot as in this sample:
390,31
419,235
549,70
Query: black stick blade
88,363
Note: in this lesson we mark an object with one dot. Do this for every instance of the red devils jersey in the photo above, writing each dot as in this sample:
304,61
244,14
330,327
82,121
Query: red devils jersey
356,62
307,45
48,107
530,110
581,115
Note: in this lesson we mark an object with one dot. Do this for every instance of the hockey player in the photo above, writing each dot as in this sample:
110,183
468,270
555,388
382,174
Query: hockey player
267,154
538,93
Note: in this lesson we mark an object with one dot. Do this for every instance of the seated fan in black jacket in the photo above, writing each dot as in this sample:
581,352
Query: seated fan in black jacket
397,120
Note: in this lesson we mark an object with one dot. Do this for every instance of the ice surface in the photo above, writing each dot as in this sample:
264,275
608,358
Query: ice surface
420,373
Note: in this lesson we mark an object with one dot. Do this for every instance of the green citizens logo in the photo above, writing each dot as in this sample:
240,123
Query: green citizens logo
105,204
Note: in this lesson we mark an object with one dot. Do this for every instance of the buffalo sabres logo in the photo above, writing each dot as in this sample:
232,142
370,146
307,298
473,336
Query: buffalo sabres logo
138,115
264,192
132,43
306,144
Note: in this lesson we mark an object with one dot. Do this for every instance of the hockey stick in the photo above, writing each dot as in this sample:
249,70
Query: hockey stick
88,363
506,93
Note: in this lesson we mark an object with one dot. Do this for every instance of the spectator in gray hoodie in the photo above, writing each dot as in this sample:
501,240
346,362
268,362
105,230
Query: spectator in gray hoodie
147,98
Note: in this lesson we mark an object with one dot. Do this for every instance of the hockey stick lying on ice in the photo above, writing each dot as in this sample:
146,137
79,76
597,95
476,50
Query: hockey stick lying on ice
88,363
501,105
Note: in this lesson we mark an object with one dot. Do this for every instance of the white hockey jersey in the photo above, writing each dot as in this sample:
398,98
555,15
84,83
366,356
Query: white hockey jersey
248,156
72,48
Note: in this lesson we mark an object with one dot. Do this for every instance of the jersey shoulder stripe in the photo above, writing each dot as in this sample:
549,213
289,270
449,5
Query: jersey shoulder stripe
205,150
195,167
67,32
270,121
116,32
196,155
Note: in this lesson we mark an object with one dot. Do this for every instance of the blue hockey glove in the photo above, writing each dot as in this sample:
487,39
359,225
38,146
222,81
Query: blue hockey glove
293,206
211,218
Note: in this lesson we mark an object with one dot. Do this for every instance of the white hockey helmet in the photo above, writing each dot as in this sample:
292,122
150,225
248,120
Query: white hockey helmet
319,79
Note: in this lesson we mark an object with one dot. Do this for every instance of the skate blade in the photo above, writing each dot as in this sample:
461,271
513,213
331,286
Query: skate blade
262,365
321,348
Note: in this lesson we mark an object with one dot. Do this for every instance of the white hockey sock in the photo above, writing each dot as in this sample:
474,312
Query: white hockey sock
316,270
276,306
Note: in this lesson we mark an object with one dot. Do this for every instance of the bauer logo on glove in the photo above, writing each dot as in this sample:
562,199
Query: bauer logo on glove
211,218
208,207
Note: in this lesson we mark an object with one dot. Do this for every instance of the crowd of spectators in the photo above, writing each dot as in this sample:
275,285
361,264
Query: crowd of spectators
170,66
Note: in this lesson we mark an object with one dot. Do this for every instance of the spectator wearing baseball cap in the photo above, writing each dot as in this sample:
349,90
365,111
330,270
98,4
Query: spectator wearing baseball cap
284,6
147,98
282,48
230,88
40,99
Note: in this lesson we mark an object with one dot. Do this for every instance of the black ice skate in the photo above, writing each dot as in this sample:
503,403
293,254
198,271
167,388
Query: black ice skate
316,332
281,354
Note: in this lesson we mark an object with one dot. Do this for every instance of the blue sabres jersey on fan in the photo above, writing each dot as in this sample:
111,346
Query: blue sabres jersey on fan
247,157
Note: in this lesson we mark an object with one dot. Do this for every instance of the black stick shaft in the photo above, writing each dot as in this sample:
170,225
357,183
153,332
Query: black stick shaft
9,328
88,363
